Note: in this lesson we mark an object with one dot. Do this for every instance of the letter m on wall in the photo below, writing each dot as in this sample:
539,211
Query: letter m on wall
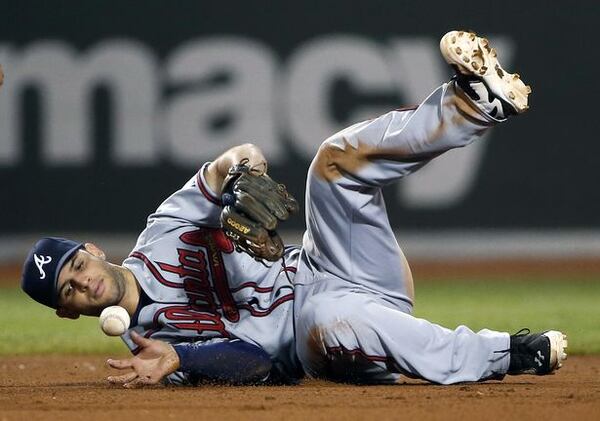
64,82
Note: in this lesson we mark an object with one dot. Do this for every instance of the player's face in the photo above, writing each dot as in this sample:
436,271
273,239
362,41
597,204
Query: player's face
87,284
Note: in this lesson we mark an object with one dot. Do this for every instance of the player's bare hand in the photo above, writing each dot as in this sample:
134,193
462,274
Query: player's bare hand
155,360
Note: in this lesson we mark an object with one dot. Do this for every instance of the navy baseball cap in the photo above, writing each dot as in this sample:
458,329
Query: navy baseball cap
42,266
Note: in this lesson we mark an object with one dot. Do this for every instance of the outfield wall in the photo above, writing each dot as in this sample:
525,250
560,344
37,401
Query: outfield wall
105,112
442,245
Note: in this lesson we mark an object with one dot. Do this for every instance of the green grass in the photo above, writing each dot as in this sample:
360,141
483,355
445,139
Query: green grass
30,328
571,305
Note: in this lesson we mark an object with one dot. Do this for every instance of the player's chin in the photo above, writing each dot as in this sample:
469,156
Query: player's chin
109,297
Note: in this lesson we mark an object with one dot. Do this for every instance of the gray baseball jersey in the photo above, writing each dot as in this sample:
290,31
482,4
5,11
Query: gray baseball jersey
196,287
346,315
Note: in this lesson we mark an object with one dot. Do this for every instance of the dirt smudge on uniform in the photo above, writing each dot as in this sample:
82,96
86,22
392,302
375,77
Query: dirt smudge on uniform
409,285
332,162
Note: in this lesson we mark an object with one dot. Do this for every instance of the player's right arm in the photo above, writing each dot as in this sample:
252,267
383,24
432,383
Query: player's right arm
228,361
199,200
1,76
233,361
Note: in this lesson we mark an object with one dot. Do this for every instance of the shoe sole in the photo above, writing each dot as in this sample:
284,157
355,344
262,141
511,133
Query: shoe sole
472,55
558,346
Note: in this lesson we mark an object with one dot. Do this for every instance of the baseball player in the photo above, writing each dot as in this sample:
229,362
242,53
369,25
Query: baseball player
213,295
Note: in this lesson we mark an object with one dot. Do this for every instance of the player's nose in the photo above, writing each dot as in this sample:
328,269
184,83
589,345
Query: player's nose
82,282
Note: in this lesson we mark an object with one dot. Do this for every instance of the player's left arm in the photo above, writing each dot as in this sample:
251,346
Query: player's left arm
235,362
217,170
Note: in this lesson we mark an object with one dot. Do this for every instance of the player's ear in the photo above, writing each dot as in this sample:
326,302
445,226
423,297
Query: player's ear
66,314
94,250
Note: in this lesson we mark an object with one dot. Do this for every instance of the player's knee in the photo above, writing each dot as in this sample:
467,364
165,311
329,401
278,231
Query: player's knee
335,159
328,346
325,324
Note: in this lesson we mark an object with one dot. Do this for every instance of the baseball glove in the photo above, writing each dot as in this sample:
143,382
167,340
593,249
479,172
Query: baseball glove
253,206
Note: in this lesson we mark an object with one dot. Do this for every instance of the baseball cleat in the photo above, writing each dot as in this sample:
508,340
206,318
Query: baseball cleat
537,353
473,59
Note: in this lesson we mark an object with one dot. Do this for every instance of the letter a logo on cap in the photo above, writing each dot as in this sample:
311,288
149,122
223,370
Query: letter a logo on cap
40,261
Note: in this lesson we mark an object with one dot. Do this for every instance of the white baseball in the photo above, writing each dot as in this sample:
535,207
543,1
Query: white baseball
114,320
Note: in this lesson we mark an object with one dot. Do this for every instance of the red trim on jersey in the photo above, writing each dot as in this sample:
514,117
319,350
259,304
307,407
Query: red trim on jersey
251,285
288,269
204,190
148,333
190,317
263,313
216,243
357,351
155,272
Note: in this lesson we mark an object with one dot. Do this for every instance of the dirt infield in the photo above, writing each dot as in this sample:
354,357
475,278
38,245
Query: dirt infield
70,388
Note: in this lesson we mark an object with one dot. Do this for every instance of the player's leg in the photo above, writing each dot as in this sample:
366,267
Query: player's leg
361,339
349,248
348,233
